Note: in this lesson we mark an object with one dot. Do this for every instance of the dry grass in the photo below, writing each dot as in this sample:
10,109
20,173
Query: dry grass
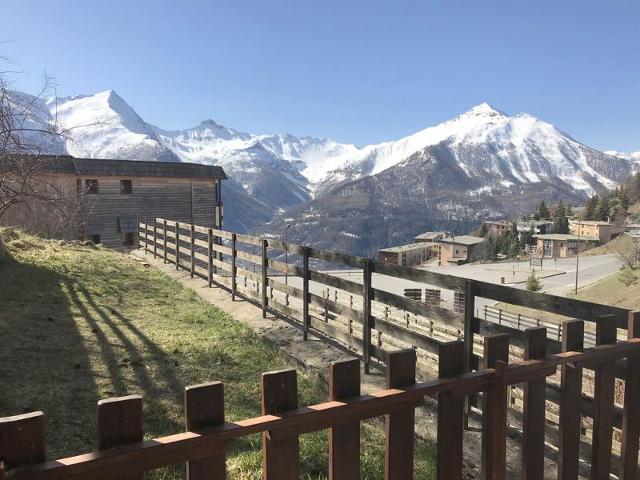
80,323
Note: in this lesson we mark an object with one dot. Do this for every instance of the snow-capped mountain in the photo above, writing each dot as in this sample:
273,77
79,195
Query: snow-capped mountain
485,142
454,171
634,156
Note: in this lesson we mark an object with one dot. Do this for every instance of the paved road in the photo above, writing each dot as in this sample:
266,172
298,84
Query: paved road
591,269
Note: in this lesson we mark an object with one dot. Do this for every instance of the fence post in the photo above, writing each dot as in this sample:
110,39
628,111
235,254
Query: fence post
603,394
280,452
533,415
210,257
366,310
120,423
146,238
570,396
22,440
344,441
234,272
204,408
469,308
177,245
192,268
631,414
494,409
305,293
450,413
400,426
138,231
164,241
265,266
155,239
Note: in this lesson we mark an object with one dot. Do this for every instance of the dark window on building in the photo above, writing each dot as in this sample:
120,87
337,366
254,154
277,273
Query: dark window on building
127,239
126,188
91,185
95,239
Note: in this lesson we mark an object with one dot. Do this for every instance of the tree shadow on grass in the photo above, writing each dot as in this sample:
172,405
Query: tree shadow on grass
44,364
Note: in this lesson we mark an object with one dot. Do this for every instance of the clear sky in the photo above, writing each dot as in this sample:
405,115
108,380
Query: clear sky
360,71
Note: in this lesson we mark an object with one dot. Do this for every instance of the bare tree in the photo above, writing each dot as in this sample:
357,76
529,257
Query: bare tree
26,181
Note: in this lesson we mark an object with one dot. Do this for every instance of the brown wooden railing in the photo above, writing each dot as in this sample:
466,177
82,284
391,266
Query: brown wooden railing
123,454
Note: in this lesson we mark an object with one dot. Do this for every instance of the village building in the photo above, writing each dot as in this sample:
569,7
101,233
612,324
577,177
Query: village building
459,249
537,226
408,255
429,237
603,231
116,193
559,245
496,228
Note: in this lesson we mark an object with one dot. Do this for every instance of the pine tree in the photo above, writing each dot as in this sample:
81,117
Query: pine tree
590,208
533,284
543,212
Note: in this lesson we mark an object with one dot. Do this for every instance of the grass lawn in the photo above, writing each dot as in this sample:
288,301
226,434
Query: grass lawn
80,323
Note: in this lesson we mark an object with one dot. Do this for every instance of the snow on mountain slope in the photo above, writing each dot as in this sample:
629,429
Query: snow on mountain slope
105,126
518,149
634,156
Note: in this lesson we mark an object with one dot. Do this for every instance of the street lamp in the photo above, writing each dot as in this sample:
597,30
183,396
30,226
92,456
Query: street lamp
286,257
254,245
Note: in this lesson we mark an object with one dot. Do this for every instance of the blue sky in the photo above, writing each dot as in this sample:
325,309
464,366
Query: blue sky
355,71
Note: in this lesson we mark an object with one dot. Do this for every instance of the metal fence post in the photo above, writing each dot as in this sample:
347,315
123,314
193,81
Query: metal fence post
210,257
177,246
146,243
234,254
164,241
305,293
265,266
366,310
193,257
155,239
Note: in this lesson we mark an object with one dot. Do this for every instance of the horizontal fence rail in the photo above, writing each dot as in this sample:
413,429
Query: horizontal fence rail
122,453
356,308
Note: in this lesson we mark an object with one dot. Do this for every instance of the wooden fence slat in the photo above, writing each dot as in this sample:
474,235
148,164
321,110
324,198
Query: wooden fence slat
631,412
603,393
146,237
366,310
280,453
22,440
265,267
533,416
570,396
400,425
451,359
494,410
120,423
204,408
344,441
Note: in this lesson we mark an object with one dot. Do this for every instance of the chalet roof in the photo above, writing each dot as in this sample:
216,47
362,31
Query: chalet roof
566,236
462,240
600,223
129,168
405,248
429,235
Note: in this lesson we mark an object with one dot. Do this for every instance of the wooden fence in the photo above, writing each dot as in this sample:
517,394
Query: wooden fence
122,453
367,318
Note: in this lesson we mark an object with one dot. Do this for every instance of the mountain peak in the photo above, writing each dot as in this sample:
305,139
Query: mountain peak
208,122
483,110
